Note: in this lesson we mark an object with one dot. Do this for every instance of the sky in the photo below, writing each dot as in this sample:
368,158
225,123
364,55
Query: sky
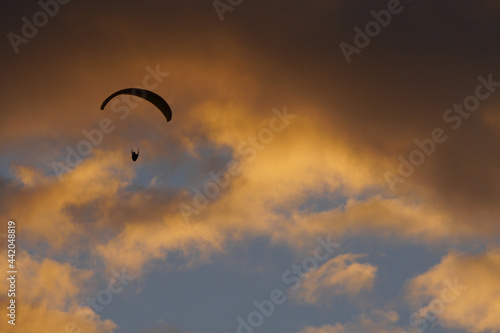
330,167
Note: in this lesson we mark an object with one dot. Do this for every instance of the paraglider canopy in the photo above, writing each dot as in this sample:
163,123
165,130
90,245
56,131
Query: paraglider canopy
150,96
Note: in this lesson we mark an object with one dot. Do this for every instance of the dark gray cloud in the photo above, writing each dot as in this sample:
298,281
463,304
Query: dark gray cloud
395,91
263,55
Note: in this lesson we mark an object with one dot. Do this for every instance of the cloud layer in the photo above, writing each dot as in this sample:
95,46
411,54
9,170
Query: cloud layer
319,171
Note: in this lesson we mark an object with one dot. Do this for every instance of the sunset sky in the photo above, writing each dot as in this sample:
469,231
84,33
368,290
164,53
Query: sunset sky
331,166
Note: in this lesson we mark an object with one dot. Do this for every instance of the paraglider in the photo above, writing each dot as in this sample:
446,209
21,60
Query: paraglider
135,155
150,96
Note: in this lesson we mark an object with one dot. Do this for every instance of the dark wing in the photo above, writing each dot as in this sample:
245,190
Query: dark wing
150,96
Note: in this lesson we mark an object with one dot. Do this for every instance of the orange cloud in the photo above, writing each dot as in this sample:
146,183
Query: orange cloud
459,292
47,197
372,321
46,299
338,276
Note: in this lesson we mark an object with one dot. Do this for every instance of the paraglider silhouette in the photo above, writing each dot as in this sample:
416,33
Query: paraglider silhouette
135,155
150,96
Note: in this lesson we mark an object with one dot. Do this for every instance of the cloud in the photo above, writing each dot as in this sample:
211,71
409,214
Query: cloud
280,178
139,244
352,127
379,216
325,329
461,292
373,321
338,276
352,122
46,298
97,178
